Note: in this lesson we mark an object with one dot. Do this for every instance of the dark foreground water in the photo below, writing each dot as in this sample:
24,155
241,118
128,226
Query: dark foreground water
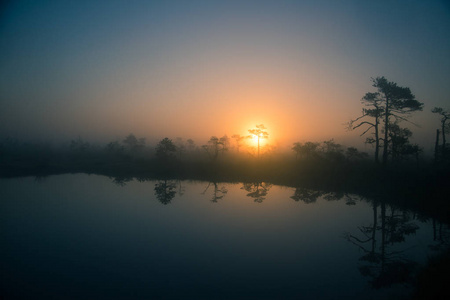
87,237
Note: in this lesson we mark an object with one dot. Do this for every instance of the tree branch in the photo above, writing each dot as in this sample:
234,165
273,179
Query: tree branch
366,131
362,123
405,119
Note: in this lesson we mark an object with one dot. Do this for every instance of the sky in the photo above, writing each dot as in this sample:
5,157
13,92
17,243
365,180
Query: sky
193,69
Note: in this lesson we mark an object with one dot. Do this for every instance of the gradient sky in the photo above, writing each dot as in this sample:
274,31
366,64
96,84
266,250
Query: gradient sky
103,69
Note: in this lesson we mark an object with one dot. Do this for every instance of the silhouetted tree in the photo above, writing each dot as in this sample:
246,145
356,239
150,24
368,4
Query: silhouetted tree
352,154
400,146
79,145
165,149
332,150
80,150
180,147
213,147
190,145
260,133
398,103
131,140
238,138
374,114
390,102
134,143
225,142
114,147
297,149
436,147
305,150
445,128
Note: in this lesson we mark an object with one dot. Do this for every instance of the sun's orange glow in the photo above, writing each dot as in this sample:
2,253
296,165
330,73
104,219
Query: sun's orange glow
257,139
254,139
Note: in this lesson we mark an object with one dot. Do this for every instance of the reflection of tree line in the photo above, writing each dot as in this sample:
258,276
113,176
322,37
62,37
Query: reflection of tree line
166,190
217,192
310,196
385,266
381,262
257,190
441,236
390,226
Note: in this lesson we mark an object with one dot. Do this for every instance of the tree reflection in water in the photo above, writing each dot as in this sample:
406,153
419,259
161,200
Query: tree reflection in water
310,196
257,190
306,195
181,188
385,266
165,191
218,193
121,180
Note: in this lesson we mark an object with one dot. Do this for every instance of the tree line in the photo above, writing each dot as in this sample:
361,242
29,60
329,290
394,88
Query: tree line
383,113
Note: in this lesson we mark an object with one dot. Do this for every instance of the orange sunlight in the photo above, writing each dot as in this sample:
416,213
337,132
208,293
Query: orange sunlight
254,140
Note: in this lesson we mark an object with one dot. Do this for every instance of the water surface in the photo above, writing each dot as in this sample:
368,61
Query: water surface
90,237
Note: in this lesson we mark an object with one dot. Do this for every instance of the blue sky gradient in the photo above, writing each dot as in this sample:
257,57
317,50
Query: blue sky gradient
103,69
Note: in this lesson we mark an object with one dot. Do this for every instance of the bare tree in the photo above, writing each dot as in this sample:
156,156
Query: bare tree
370,119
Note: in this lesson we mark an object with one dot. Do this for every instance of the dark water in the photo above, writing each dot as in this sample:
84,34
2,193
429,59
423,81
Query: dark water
85,237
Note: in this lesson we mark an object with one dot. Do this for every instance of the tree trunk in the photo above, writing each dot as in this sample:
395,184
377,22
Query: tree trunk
386,133
443,141
258,146
383,234
374,227
436,147
377,142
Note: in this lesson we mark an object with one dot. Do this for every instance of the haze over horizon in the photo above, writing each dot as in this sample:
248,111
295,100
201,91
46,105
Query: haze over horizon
193,69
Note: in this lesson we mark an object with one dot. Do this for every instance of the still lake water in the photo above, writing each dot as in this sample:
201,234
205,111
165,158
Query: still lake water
87,237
